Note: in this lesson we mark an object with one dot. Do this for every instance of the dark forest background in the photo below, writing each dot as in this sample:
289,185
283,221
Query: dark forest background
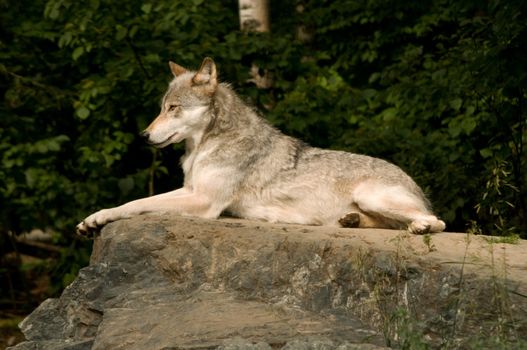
437,87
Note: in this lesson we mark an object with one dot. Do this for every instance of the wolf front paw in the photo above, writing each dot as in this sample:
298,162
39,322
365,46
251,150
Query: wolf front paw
94,222
83,230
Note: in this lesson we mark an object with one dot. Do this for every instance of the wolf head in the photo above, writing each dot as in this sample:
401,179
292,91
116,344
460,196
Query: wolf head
185,110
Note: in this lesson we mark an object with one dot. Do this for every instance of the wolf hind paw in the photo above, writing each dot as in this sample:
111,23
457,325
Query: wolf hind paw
351,220
421,227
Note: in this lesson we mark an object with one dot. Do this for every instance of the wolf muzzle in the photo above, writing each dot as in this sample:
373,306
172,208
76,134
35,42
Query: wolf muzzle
145,135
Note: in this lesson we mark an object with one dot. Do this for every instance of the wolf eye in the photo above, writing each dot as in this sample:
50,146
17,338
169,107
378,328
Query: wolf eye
172,107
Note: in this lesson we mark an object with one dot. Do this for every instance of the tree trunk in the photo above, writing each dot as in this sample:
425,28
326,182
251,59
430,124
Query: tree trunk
254,15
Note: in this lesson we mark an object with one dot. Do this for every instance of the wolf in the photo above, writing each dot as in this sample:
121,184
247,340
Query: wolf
237,163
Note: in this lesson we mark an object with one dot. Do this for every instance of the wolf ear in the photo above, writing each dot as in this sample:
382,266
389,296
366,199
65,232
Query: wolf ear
176,69
206,73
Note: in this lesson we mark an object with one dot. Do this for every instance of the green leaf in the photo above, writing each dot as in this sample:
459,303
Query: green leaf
146,8
120,32
82,112
389,114
486,152
77,53
31,175
456,103
469,124
374,77
133,31
52,10
65,39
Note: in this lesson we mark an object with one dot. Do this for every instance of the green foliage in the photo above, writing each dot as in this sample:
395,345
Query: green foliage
510,239
427,240
407,331
437,87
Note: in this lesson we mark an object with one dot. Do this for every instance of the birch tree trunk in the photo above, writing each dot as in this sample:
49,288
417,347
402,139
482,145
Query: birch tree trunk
254,15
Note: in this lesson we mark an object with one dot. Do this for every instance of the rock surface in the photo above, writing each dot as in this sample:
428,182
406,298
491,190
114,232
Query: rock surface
161,282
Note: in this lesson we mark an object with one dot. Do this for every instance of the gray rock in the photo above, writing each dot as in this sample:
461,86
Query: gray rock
60,344
184,283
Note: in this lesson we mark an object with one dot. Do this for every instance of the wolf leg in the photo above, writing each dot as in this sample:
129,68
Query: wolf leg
396,215
181,202
397,205
367,220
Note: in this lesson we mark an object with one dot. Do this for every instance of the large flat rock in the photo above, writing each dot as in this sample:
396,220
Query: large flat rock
162,282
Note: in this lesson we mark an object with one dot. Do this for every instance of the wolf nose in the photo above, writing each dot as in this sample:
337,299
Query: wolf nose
145,134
